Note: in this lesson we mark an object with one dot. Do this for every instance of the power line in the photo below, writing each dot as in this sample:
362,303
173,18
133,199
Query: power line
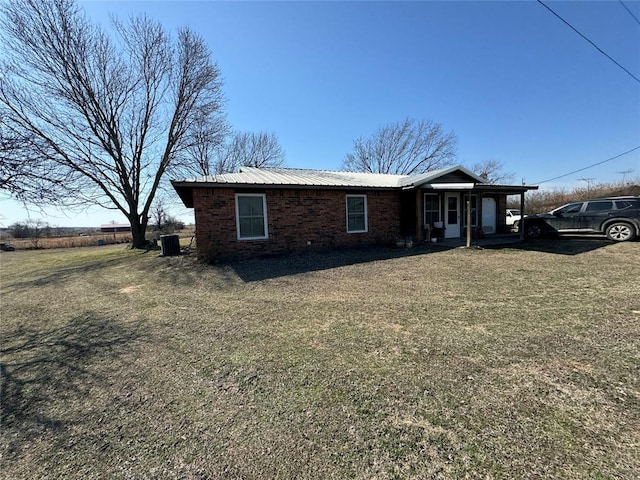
589,166
593,44
630,12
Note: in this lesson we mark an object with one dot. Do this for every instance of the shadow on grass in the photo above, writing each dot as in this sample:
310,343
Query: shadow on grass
265,268
565,245
45,372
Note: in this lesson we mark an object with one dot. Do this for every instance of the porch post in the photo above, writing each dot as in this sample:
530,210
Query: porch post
521,216
469,218
419,217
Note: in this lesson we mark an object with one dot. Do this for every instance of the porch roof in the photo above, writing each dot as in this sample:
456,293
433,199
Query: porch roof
479,188
504,189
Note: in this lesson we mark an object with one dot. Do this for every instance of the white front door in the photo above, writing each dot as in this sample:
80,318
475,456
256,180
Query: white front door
452,215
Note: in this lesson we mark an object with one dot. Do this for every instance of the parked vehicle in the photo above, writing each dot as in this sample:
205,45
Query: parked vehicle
616,217
513,217
5,247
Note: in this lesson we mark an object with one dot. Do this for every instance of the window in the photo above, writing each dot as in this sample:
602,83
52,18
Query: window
431,209
474,211
571,208
356,213
452,209
599,206
251,216
622,204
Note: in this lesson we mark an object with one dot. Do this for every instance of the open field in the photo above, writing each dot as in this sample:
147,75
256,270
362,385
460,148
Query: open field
70,241
87,240
521,362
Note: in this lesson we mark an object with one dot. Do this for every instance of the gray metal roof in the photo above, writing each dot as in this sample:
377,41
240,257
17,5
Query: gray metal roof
299,177
455,177
322,178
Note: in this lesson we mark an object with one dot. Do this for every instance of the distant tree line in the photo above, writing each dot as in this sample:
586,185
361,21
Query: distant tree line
540,201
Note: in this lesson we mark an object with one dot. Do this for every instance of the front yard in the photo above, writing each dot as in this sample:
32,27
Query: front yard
520,362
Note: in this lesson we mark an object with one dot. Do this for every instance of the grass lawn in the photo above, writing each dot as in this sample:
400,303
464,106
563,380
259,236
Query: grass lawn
521,362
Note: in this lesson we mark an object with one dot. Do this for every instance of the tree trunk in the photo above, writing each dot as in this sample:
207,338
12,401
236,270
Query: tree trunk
138,231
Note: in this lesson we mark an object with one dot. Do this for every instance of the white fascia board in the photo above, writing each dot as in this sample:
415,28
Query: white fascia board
449,186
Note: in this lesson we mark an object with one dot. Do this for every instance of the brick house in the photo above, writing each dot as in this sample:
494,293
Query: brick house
267,211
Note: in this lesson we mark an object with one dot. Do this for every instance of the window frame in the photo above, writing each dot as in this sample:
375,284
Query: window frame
365,213
264,216
439,210
475,212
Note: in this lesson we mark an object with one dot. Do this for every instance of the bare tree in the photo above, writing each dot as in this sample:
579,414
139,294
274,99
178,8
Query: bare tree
492,171
240,149
207,146
158,215
407,147
34,229
28,178
110,114
256,150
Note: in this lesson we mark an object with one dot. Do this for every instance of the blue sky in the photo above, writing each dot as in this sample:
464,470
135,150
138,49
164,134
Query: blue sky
510,79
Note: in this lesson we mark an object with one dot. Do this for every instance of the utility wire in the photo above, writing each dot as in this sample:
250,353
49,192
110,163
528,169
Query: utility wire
590,166
593,44
630,12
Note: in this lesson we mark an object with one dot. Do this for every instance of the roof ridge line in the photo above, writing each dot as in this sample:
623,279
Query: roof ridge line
324,170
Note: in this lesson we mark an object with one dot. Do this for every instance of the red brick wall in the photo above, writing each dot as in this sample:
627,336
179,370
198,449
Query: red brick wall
294,217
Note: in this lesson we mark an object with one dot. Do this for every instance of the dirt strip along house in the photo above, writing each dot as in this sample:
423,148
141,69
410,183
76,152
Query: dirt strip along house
271,211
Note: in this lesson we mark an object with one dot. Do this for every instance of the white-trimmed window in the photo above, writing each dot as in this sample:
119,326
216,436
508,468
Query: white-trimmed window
357,214
251,216
431,208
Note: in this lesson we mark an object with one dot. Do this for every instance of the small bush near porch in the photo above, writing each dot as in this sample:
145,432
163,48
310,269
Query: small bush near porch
458,363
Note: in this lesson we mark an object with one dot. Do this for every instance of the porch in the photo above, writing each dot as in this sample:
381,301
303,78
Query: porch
459,213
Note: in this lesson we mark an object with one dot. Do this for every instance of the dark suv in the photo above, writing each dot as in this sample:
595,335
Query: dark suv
616,217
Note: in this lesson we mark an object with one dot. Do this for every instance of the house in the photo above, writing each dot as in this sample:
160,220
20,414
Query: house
264,211
115,227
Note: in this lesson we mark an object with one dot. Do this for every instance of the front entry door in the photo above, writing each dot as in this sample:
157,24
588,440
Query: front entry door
452,215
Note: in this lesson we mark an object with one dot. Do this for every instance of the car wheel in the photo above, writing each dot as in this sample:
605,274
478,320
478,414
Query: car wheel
620,232
533,231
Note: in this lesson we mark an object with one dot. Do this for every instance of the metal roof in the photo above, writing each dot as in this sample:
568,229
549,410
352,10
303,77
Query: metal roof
298,177
324,178
248,177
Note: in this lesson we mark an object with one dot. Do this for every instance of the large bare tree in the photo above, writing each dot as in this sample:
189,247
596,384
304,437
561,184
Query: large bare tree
492,171
110,111
407,147
210,156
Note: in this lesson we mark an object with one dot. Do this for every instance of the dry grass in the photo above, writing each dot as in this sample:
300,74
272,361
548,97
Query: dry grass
506,363
71,242
91,240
